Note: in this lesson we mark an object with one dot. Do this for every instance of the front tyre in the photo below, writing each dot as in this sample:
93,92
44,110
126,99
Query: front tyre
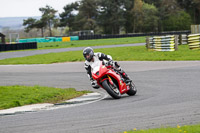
132,90
112,90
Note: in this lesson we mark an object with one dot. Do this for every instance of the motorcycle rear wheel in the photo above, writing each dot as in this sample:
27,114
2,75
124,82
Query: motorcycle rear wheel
111,90
132,90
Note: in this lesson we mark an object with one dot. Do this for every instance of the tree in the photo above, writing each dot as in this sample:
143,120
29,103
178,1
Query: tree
40,25
179,21
29,23
173,17
145,17
49,17
128,5
111,16
137,13
167,8
156,3
87,15
68,16
150,18
32,23
193,8
196,11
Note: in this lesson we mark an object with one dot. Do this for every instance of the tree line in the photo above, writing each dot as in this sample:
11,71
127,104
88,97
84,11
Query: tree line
119,16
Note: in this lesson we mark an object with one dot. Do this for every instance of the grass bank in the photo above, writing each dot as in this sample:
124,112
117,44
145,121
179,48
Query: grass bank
13,96
87,43
178,129
135,53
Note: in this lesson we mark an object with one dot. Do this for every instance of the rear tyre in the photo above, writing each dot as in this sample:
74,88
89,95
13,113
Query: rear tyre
112,90
132,90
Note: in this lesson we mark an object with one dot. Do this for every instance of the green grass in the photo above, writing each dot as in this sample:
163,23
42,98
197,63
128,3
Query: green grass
140,53
13,96
135,53
178,129
87,43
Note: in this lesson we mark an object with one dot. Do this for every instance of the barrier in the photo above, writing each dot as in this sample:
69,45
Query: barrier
194,41
50,39
18,46
66,39
88,37
46,39
162,43
74,38
182,39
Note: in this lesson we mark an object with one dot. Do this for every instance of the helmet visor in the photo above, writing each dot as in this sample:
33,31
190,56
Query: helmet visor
88,56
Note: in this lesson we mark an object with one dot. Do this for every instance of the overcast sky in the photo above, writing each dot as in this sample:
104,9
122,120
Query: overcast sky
26,8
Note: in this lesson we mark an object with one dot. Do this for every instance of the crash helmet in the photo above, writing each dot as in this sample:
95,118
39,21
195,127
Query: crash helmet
88,53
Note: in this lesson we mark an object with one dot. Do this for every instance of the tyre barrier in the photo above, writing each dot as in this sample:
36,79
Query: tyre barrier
50,39
182,39
162,43
18,46
99,36
194,41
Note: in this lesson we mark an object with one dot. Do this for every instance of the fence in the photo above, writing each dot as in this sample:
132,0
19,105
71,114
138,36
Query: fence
194,41
18,46
162,43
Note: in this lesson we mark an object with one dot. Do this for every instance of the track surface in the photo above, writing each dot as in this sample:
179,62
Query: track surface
168,94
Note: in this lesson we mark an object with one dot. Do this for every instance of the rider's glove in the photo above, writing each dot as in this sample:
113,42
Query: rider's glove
110,62
94,84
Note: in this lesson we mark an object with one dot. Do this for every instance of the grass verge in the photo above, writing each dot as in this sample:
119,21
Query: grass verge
13,96
178,129
87,43
135,53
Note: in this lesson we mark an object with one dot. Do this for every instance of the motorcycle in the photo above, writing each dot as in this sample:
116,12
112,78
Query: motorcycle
109,79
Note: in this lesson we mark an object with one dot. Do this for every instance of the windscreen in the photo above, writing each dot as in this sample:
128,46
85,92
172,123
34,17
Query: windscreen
95,66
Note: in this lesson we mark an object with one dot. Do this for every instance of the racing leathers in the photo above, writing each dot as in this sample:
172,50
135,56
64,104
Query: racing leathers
100,57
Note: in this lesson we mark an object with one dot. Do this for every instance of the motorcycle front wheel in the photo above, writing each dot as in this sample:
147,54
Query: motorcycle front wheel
112,90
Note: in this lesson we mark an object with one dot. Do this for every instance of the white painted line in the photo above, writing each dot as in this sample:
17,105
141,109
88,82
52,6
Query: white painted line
26,108
85,99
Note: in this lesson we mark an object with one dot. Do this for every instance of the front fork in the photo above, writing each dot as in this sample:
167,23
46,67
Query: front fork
110,80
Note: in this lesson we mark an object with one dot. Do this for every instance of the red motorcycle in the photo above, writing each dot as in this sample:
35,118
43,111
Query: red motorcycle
110,80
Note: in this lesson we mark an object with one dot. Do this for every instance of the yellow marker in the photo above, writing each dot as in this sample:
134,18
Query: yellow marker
66,39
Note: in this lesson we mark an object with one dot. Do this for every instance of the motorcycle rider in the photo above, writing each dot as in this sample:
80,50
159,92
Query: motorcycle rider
92,57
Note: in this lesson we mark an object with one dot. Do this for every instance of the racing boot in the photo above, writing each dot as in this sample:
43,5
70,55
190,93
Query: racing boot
125,76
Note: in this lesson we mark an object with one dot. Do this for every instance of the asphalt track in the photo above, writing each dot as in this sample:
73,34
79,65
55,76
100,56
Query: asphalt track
168,94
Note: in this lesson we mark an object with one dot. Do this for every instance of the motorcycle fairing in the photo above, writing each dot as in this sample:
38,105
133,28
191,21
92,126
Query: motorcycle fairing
102,73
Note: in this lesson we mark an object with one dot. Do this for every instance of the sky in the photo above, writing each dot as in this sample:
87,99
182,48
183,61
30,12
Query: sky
29,8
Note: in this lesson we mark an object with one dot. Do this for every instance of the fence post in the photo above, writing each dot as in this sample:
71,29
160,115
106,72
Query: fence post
176,42
147,43
180,39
